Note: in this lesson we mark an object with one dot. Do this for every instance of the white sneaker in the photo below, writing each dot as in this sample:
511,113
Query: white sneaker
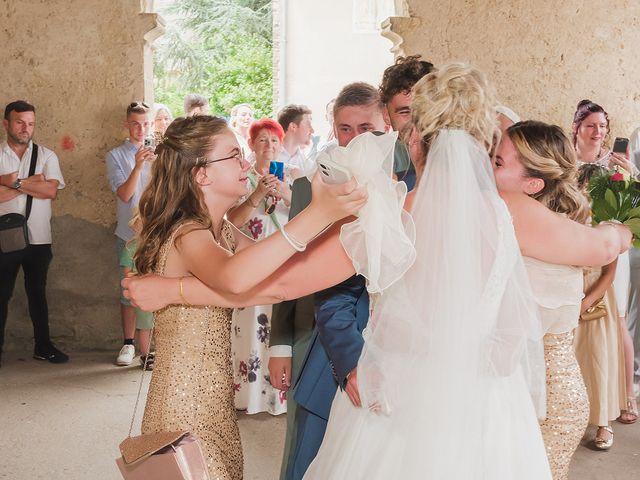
125,357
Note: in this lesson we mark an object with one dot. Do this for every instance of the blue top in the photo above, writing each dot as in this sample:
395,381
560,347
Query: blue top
120,163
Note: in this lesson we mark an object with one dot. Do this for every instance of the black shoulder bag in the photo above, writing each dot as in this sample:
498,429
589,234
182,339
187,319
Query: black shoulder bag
14,234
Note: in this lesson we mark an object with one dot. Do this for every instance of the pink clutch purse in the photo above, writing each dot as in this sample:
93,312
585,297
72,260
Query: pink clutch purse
162,456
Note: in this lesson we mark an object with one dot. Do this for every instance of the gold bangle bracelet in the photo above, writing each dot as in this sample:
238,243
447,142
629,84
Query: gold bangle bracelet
184,300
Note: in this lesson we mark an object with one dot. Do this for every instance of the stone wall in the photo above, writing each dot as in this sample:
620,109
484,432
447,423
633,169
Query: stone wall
543,57
80,62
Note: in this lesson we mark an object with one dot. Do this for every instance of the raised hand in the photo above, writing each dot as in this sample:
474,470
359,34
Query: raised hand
144,155
337,201
622,161
268,185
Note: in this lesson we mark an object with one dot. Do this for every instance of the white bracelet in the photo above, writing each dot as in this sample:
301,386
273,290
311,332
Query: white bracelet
295,244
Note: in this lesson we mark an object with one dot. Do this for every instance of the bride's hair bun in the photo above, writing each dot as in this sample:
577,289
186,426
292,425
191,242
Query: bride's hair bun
456,96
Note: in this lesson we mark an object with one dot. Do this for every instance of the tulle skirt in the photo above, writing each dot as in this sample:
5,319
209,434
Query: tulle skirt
503,442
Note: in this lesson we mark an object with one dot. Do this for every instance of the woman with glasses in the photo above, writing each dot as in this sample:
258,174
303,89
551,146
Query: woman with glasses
198,175
263,212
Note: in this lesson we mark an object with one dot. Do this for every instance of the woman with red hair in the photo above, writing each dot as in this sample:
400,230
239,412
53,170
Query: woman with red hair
264,209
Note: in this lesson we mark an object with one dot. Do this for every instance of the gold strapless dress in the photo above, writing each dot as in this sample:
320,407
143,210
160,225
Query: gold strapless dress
192,383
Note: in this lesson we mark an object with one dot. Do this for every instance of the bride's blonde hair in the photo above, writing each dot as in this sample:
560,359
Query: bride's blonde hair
456,96
546,153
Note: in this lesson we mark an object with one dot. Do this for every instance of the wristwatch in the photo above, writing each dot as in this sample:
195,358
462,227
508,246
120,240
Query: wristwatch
17,184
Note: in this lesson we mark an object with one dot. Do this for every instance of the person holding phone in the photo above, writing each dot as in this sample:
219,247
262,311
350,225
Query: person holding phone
128,171
591,131
264,210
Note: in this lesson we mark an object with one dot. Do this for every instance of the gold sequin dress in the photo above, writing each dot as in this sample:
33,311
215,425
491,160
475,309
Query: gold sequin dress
558,292
192,383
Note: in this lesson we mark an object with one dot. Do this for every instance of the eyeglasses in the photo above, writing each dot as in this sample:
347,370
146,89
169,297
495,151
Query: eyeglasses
239,155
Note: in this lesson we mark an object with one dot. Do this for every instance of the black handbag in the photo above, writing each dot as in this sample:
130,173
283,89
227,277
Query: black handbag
14,233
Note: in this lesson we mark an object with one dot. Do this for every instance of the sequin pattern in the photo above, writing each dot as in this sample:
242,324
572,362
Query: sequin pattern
192,383
567,403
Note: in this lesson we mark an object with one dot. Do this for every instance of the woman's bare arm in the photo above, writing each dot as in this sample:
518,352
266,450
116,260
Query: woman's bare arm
241,213
598,289
549,237
240,273
322,265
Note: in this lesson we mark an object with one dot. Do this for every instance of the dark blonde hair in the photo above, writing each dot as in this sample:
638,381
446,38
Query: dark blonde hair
357,94
546,153
172,196
456,96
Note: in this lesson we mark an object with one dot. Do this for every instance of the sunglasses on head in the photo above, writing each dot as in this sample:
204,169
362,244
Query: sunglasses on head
138,104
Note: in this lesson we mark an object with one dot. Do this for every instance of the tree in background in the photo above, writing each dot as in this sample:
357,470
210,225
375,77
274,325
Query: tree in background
218,48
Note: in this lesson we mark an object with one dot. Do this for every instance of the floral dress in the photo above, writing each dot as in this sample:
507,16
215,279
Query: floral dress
251,327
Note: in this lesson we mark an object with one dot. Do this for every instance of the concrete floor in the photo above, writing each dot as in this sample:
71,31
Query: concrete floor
66,421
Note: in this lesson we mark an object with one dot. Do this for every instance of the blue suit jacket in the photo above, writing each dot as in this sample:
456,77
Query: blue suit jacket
342,313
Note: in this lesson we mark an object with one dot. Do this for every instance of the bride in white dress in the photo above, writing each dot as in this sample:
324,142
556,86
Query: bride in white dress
453,353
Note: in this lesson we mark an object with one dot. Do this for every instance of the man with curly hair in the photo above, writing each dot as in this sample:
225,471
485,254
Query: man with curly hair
395,88
396,95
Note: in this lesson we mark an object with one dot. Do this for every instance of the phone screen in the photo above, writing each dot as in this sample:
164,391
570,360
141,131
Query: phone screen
277,169
620,145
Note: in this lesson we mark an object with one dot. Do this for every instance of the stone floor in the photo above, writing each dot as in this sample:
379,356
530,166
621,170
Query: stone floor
65,422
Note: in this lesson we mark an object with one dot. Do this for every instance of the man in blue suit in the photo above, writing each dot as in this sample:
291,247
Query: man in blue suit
341,311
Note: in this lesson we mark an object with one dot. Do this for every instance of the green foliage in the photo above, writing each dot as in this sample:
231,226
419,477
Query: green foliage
220,49
616,196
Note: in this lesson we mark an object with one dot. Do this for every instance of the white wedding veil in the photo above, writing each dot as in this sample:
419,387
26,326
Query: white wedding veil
461,322
452,372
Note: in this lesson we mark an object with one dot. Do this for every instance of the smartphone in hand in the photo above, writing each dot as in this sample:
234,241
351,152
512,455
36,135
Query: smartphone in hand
331,172
277,169
620,145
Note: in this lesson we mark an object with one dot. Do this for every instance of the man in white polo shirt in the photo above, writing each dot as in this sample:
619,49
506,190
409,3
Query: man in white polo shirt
15,186
296,123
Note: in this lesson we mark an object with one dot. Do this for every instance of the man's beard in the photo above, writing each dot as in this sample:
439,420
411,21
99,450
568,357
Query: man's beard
17,140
